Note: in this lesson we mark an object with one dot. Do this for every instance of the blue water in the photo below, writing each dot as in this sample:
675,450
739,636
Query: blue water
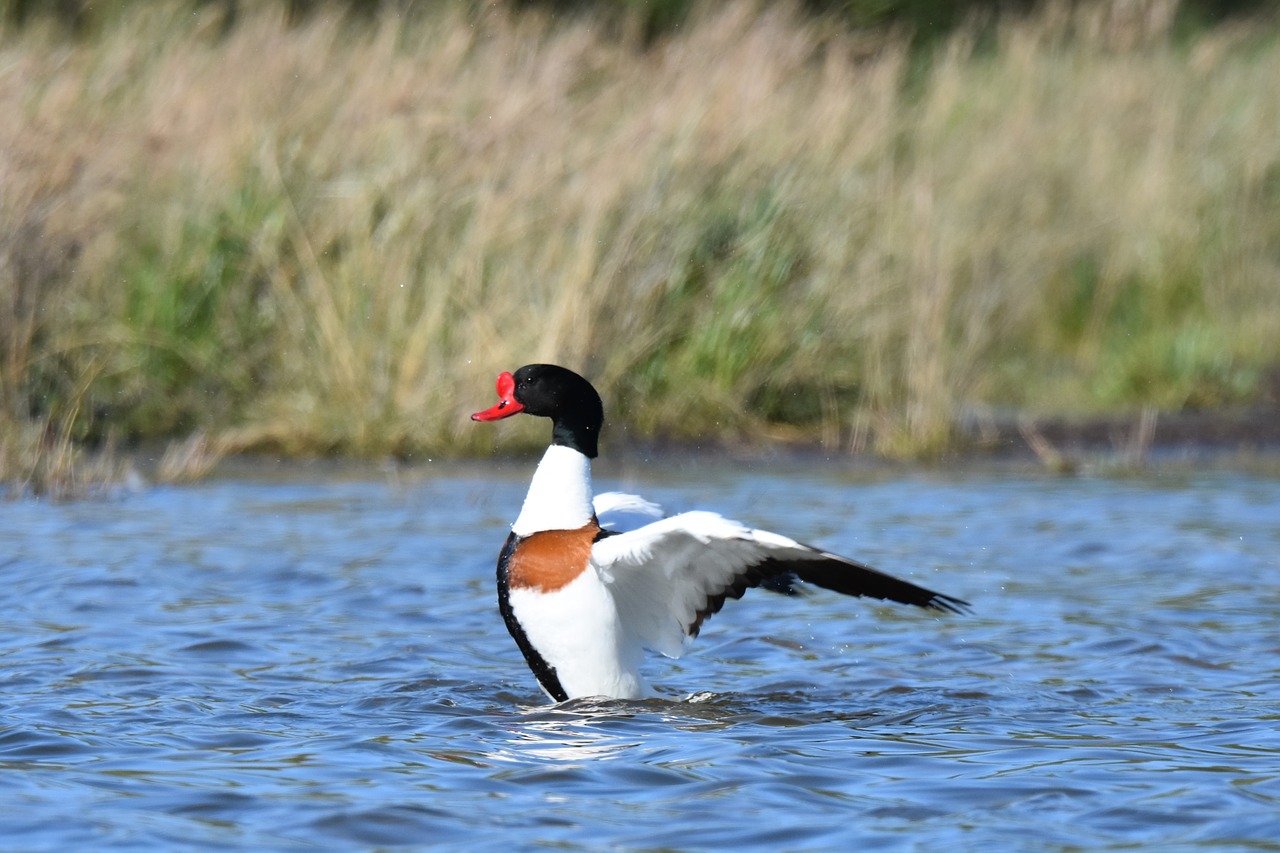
315,661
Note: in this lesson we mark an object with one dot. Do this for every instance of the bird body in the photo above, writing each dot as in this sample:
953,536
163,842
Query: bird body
585,583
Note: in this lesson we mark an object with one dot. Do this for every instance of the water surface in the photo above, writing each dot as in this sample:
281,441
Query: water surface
316,662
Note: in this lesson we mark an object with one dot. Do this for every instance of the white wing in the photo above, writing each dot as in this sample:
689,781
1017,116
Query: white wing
669,576
621,512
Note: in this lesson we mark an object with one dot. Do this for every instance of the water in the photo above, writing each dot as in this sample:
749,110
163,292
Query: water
316,662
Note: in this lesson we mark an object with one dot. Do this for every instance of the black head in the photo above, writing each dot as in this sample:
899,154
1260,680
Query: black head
551,391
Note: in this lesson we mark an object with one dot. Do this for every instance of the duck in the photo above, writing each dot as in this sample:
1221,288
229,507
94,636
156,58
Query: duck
587,583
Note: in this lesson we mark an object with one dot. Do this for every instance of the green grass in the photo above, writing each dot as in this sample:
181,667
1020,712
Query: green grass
318,239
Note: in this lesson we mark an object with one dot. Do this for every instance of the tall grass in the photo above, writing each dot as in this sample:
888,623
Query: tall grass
316,239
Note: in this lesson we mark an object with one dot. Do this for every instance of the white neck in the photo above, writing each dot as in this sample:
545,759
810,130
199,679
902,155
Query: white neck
560,495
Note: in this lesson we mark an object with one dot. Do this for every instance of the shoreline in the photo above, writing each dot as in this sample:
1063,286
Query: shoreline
1239,441
1208,440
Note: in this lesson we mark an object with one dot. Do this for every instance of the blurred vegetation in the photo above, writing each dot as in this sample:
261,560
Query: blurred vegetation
651,18
261,226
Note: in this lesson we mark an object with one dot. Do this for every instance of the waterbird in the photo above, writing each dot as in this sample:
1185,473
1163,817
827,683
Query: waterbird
587,583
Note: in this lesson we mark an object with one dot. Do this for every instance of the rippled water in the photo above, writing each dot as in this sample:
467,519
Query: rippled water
317,662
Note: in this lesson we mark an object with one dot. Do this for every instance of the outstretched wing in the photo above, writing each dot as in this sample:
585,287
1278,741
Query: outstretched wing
669,576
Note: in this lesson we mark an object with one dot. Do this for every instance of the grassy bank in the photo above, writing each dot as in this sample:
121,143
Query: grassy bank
315,239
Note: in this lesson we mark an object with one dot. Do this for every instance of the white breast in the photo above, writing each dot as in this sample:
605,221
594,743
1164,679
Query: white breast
577,631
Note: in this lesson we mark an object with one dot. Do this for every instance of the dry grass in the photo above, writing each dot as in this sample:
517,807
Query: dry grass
320,240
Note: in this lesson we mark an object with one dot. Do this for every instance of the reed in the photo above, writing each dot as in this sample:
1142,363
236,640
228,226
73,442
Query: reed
315,238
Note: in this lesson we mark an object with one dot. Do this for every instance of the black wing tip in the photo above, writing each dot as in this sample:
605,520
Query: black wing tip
948,604
783,583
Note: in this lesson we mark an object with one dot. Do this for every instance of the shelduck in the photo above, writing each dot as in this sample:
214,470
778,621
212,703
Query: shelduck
584,589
